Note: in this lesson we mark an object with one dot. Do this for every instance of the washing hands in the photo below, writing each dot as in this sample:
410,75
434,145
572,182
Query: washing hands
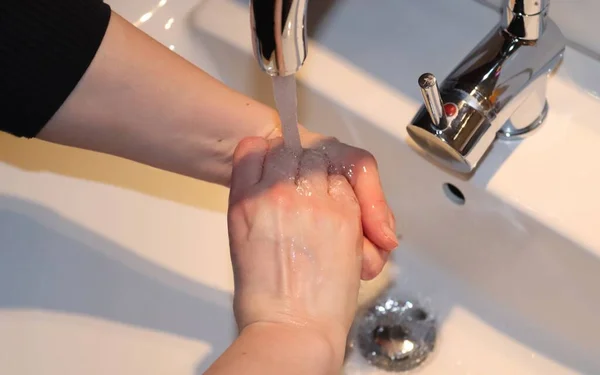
360,169
298,252
303,228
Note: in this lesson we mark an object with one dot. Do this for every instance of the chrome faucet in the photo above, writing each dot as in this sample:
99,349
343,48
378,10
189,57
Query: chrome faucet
497,92
279,35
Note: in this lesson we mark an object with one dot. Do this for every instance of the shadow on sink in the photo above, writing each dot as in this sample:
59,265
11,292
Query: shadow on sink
49,263
515,274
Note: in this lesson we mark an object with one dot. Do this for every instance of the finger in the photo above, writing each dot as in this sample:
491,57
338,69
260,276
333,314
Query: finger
374,260
377,218
340,189
248,159
312,175
281,164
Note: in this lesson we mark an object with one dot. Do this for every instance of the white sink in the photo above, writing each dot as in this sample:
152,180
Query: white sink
511,274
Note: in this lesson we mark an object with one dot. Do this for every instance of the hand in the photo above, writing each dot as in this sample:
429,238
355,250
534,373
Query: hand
296,241
360,168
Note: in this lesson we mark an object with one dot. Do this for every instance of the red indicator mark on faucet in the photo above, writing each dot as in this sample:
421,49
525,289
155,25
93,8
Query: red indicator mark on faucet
450,109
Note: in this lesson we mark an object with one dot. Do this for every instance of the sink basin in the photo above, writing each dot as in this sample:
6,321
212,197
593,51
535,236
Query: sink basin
507,261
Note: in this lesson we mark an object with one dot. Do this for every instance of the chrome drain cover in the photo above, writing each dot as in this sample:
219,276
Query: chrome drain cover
396,335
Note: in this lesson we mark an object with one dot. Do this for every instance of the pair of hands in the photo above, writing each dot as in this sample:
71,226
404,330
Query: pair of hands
360,169
303,231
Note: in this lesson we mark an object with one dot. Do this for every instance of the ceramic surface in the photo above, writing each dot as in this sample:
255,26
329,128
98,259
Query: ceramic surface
124,269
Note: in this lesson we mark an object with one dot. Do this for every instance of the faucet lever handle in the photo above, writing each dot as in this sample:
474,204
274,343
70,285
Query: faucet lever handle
433,100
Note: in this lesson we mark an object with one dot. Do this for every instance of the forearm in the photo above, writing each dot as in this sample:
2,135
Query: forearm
140,101
269,349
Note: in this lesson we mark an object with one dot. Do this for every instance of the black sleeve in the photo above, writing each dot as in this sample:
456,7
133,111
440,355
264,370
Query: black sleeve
45,48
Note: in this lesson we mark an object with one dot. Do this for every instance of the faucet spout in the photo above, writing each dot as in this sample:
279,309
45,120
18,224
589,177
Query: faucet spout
279,36
525,19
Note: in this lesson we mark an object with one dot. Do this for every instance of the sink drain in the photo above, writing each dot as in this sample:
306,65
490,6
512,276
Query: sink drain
396,335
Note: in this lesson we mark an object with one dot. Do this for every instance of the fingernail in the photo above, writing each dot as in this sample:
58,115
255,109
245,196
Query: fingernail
389,233
391,219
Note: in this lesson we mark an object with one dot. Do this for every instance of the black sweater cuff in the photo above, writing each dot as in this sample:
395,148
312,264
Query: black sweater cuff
46,46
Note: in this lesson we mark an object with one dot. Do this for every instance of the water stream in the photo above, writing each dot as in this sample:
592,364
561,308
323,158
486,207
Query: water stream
284,91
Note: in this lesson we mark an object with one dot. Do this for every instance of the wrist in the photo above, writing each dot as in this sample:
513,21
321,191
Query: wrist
315,351
256,120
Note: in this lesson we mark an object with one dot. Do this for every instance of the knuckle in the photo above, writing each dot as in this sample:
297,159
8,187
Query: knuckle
278,191
368,157
280,195
246,143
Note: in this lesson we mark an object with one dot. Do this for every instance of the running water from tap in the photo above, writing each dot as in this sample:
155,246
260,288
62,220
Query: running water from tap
284,91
